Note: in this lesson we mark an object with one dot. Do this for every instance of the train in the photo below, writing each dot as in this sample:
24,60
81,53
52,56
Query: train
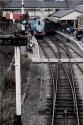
42,27
50,26
37,27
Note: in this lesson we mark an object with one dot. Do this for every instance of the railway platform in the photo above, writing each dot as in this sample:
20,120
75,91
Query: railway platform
34,56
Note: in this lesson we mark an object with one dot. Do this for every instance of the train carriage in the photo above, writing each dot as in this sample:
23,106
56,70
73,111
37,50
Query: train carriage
50,26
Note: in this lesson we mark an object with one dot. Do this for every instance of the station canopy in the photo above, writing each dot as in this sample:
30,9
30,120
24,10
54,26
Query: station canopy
72,16
67,14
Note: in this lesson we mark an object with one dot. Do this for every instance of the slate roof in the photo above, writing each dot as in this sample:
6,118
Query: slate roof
74,3
62,13
43,4
79,8
36,4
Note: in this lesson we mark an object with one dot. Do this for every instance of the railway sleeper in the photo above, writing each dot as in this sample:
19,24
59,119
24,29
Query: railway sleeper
61,109
65,103
64,92
69,113
63,85
64,98
61,121
64,106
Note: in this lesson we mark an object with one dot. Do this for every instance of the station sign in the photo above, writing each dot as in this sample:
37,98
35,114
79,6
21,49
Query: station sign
11,40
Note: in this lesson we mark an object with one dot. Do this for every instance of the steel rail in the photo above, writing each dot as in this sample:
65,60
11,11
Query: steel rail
55,93
73,86
66,50
62,41
53,82
71,82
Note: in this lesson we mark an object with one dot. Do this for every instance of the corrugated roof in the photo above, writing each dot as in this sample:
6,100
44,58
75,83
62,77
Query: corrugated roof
62,13
36,4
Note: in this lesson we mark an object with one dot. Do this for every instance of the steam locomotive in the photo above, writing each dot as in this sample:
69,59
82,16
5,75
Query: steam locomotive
41,27
37,27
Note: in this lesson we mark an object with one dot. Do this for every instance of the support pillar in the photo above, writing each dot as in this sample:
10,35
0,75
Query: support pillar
74,23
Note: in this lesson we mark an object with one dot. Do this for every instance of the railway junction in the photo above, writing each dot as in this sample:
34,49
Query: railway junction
43,86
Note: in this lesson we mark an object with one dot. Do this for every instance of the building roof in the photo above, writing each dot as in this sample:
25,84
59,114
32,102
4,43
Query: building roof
72,16
36,4
74,3
79,8
64,12
42,3
61,13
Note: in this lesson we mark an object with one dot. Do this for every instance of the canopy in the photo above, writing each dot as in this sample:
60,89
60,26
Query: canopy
72,16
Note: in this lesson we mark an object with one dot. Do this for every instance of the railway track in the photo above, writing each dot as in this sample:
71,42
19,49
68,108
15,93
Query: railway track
65,48
65,110
72,47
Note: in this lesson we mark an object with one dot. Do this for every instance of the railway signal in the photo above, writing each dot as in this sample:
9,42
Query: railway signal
16,41
17,74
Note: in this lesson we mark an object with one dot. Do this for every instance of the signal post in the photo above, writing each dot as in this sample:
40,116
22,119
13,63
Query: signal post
16,41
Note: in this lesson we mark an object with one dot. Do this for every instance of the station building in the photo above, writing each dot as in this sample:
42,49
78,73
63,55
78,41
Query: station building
67,16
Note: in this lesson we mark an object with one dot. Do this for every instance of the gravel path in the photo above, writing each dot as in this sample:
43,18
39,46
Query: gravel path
35,105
